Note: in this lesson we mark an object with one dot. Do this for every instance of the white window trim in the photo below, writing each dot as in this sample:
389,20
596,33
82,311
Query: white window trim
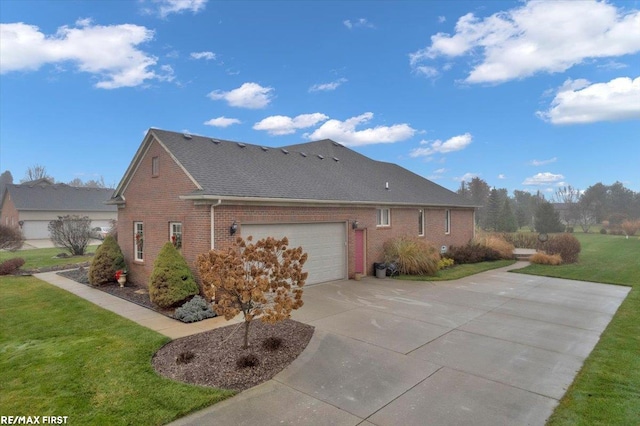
135,242
380,222
172,233
447,221
421,223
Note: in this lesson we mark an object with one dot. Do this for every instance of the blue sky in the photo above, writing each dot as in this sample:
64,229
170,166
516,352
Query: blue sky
525,95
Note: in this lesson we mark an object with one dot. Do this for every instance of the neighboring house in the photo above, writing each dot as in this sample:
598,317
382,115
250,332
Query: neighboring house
32,205
340,206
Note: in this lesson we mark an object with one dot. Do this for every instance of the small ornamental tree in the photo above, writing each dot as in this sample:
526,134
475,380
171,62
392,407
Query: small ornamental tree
171,281
262,280
547,219
10,238
71,232
107,260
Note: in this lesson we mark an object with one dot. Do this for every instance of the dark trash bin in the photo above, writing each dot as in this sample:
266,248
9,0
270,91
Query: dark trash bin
392,270
380,269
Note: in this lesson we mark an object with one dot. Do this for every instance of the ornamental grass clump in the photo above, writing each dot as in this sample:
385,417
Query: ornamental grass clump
412,256
171,281
542,258
106,262
496,242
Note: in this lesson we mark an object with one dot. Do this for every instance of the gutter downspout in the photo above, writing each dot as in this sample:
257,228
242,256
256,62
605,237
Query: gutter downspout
213,222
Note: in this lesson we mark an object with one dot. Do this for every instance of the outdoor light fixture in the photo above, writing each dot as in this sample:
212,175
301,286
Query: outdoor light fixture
355,224
233,228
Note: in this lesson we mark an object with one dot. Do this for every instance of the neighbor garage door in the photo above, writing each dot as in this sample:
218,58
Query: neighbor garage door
35,229
325,243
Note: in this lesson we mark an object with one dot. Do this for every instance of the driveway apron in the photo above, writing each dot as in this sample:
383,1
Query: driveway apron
495,348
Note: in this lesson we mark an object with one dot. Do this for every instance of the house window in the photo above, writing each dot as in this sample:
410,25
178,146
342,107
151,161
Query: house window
421,223
383,217
175,234
154,166
138,241
447,221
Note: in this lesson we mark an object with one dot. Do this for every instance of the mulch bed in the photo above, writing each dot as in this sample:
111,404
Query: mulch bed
210,358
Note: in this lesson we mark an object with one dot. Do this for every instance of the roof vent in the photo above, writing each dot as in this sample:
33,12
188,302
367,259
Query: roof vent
304,154
284,151
187,135
216,141
386,185
320,157
336,144
336,159
264,148
241,145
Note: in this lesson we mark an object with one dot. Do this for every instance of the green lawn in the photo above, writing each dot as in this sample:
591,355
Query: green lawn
44,258
61,355
459,271
606,391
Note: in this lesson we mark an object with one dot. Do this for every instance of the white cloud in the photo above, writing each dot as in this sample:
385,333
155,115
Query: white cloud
455,143
540,36
545,178
543,162
345,132
579,102
249,95
283,125
358,23
167,7
109,52
426,70
502,176
442,19
203,55
467,177
327,87
222,122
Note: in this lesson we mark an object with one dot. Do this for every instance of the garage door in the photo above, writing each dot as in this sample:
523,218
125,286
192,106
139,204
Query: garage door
325,244
35,229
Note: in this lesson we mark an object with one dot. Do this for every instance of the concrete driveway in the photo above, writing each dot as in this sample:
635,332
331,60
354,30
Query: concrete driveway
496,348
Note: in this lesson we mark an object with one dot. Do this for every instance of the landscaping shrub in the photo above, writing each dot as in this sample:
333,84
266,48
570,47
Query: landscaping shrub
566,245
603,231
472,253
497,243
107,260
185,357
171,281
543,258
10,266
11,238
521,239
630,227
445,262
196,309
412,256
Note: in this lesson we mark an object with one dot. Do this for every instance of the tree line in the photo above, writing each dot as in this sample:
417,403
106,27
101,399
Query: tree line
38,172
599,203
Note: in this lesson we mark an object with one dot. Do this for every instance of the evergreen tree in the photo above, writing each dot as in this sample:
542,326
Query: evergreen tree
547,218
507,221
493,211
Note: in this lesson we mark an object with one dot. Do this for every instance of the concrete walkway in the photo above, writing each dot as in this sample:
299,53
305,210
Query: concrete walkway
496,348
143,316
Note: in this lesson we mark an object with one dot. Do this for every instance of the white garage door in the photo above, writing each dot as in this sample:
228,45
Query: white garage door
325,243
35,229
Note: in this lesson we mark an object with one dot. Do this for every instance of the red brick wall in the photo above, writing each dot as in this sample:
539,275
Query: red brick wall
9,215
155,202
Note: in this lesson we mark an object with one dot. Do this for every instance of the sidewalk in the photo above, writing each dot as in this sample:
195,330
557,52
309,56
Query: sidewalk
143,316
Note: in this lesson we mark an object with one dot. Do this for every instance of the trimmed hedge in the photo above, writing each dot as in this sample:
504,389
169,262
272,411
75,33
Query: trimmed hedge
472,253
107,260
171,281
566,245
10,266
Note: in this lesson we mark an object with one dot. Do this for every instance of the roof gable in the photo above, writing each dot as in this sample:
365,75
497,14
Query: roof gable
315,171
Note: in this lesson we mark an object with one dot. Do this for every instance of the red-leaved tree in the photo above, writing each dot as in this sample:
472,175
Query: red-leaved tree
263,280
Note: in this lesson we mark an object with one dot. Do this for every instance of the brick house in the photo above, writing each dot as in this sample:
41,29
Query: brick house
32,205
339,205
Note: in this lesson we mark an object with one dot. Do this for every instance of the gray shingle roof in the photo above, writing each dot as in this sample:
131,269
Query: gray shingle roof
60,197
322,170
